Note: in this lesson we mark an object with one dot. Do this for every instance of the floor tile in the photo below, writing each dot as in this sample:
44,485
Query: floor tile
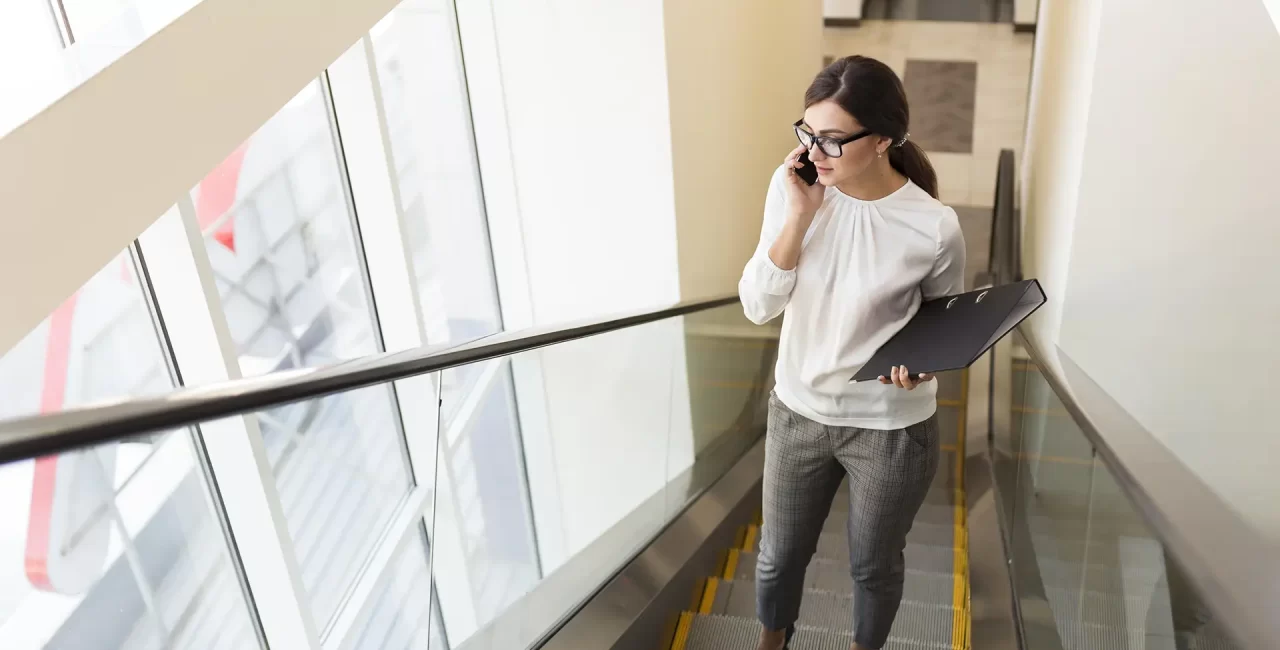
982,175
1000,108
989,134
953,176
1006,45
942,98
945,41
1003,76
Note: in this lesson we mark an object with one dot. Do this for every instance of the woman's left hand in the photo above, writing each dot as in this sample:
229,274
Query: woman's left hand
901,378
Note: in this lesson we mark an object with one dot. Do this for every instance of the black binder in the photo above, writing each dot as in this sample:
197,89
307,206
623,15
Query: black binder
951,332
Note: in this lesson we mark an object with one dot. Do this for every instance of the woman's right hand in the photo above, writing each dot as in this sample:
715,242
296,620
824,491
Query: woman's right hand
803,200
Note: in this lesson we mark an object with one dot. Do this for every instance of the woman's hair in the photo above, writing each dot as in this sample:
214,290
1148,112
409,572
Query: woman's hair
870,91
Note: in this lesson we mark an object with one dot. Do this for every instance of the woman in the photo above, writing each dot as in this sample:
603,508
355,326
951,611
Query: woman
849,260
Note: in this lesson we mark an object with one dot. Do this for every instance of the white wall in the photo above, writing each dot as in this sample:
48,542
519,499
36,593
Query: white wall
1057,119
737,71
1168,298
586,103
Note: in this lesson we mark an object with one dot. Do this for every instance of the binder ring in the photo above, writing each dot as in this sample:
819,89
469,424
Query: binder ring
981,296
951,302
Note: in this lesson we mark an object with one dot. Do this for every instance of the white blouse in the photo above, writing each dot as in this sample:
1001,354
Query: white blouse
865,267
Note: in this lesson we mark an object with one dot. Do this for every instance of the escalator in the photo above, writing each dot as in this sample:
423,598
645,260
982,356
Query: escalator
598,486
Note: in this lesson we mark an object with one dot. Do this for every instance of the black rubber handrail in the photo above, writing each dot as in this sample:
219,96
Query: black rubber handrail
44,435
1003,264
1231,563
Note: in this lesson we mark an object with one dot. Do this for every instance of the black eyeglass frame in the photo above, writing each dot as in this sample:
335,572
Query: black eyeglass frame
819,140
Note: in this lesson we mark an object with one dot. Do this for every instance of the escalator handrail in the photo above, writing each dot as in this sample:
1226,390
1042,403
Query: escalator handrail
1003,263
43,435
1230,562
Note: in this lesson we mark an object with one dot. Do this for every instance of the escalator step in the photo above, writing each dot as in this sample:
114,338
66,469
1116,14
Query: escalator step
930,513
936,558
825,575
936,496
710,632
922,532
830,608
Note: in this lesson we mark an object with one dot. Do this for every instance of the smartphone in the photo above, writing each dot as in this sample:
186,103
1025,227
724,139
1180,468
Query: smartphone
809,172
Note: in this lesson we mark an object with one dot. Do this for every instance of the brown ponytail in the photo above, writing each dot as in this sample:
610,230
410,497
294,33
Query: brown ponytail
872,93
911,161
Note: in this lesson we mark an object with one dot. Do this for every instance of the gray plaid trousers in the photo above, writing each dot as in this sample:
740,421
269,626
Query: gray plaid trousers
889,475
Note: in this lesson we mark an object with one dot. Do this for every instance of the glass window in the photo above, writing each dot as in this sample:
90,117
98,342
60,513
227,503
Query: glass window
89,16
100,343
118,543
92,18
280,237
399,614
423,89
428,119
484,454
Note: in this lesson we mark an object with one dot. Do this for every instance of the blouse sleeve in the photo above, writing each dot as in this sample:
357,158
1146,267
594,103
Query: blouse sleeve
947,275
764,288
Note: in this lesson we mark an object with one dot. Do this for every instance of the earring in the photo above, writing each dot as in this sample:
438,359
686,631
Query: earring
879,154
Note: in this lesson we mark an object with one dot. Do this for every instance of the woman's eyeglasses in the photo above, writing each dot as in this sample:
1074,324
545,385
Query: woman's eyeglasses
832,147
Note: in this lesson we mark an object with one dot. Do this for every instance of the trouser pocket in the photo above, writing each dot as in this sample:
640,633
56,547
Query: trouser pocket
924,434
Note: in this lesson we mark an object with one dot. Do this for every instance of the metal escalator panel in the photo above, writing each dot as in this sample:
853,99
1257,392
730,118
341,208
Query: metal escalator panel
935,606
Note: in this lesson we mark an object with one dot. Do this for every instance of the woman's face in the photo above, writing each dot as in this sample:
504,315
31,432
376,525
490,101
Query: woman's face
827,118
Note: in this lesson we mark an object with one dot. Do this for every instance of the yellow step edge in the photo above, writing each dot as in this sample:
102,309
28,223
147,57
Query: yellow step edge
695,598
682,631
723,561
961,619
731,564
708,595
750,542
